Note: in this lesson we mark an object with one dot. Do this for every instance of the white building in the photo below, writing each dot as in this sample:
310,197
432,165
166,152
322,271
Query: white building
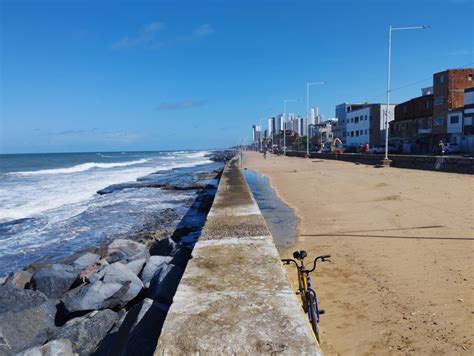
314,116
279,123
339,128
301,126
256,133
367,124
271,126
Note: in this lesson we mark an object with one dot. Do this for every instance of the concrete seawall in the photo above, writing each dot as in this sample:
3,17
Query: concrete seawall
234,297
448,164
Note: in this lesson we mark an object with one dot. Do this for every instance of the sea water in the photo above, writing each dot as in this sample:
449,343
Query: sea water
49,206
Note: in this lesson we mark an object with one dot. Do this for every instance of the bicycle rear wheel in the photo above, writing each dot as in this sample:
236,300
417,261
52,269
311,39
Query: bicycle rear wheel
313,315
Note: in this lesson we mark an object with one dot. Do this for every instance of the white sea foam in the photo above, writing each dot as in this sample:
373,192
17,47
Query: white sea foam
35,193
79,168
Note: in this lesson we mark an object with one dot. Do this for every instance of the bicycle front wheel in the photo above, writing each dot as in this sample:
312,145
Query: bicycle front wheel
313,316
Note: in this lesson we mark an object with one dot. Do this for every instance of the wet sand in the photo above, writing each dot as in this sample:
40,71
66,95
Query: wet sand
402,246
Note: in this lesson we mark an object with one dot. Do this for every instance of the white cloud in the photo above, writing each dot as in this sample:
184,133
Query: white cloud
145,36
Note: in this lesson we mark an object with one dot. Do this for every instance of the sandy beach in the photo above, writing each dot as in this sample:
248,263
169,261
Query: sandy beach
402,246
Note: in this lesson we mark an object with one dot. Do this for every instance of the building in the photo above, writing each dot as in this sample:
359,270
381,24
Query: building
448,96
301,126
339,128
271,126
315,118
279,123
422,122
410,132
467,140
366,125
323,131
256,133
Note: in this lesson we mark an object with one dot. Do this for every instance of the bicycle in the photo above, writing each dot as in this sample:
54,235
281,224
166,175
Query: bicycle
309,300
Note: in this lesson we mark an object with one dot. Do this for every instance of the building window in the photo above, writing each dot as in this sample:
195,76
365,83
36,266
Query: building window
454,120
352,133
365,117
356,120
427,104
441,78
438,121
439,100
357,132
352,119
404,109
366,131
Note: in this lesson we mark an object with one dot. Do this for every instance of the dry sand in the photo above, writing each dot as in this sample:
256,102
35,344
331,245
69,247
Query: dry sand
401,280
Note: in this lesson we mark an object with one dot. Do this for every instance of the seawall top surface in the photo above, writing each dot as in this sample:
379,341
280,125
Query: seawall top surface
234,297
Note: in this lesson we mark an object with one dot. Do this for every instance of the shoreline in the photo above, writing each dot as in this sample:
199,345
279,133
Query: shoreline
377,294
104,299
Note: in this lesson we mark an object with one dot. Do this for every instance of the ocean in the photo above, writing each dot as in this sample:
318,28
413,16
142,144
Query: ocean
50,208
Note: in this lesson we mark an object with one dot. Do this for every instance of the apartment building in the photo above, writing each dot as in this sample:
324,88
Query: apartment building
366,125
411,129
448,95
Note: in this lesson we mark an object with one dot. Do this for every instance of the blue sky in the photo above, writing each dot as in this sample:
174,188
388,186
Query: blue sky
150,75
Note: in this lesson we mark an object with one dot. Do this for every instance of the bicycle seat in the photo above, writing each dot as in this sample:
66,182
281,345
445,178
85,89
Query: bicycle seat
299,255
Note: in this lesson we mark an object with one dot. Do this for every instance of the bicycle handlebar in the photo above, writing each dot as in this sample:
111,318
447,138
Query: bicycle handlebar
287,261
323,258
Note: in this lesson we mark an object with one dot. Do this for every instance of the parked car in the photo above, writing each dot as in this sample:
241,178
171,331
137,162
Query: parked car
452,148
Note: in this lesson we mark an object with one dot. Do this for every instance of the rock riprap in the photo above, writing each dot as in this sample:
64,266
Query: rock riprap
26,319
113,286
54,280
86,332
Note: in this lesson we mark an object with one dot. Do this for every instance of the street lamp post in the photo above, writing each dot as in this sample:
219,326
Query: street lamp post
284,123
307,113
390,29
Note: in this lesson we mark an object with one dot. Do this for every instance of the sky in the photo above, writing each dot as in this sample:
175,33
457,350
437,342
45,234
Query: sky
80,76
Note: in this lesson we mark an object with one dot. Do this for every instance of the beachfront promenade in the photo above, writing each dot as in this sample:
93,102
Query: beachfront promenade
234,297
401,240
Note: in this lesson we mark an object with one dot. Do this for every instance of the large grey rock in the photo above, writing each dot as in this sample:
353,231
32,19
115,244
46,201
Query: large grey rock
86,332
138,333
164,283
113,286
54,280
85,261
154,264
126,250
21,279
136,266
26,318
91,296
61,347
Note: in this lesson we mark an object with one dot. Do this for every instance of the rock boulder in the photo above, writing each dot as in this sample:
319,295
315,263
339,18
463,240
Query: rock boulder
54,280
126,251
26,318
62,347
86,332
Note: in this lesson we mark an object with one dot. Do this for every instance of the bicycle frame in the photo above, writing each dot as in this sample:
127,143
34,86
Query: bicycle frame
304,284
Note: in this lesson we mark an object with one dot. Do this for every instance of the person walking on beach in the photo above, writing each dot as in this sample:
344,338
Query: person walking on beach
264,153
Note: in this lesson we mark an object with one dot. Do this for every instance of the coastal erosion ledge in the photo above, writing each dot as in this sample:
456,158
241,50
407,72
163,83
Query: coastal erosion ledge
234,296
